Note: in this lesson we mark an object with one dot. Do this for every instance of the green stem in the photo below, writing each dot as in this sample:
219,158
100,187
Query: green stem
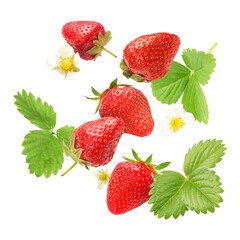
212,48
70,168
109,52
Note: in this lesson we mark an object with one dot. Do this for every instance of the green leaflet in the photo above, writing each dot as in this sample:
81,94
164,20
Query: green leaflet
194,100
38,113
172,194
167,195
44,153
205,154
186,80
201,191
201,63
170,88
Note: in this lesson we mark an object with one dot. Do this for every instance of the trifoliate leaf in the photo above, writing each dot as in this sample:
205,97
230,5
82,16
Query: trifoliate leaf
201,64
64,134
166,195
203,155
201,191
194,100
170,88
44,153
38,113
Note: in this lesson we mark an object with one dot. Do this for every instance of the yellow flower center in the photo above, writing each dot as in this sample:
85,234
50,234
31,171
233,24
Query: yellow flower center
103,176
176,123
66,65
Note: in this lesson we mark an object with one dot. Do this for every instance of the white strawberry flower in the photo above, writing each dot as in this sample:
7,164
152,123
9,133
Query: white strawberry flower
65,61
176,122
102,176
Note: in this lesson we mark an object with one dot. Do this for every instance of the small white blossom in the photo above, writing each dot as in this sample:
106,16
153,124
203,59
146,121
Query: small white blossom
176,122
102,176
65,61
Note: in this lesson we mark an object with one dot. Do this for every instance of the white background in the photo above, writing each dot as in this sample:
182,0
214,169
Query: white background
72,207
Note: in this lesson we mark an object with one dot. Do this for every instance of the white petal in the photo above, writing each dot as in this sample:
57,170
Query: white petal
166,131
65,51
188,117
76,62
96,174
53,60
72,76
100,185
181,132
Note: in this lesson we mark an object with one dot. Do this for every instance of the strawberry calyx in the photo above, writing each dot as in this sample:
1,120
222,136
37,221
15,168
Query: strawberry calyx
99,45
75,154
100,96
128,74
152,167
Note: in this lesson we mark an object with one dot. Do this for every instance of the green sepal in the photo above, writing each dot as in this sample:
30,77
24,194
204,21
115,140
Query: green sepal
100,43
134,76
75,69
127,74
113,83
148,163
123,65
95,92
162,165
75,153
149,159
94,50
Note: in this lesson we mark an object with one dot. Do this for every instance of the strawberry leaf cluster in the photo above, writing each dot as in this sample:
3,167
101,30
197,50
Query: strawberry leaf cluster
186,81
172,194
43,148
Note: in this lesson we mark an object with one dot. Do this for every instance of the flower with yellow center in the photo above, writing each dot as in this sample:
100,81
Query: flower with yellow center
176,122
65,61
102,176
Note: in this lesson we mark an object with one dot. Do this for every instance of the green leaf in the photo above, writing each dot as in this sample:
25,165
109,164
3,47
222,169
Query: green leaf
64,134
38,113
201,191
166,195
203,155
194,100
44,153
169,88
201,63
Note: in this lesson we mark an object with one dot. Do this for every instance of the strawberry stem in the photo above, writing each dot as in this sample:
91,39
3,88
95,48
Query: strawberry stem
109,52
212,48
70,168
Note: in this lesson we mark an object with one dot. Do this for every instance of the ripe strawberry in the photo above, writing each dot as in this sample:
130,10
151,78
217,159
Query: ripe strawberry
130,183
129,104
87,38
149,57
94,142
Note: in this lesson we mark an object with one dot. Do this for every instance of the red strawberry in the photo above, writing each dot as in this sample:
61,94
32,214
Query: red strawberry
87,38
149,57
130,183
94,142
129,104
